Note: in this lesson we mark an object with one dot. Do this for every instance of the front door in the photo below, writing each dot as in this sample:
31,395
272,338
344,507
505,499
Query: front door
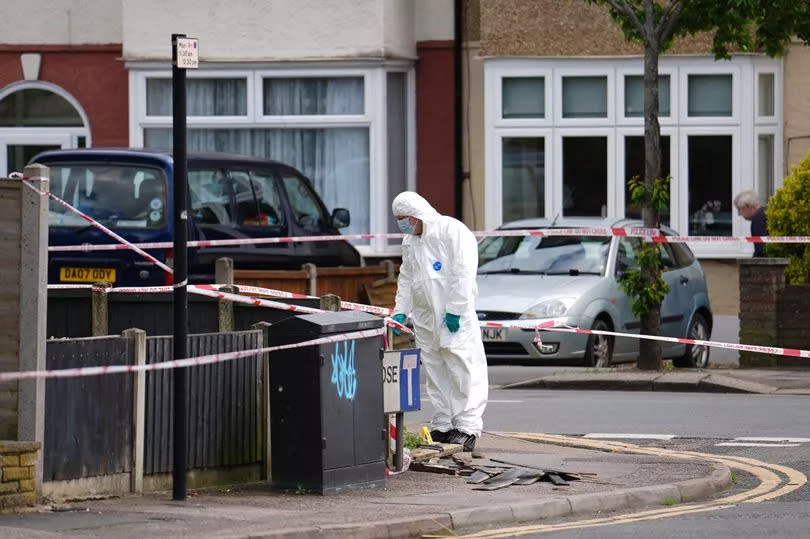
17,149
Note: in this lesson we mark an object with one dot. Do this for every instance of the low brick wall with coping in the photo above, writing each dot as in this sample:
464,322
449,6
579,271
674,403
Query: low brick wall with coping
18,462
772,312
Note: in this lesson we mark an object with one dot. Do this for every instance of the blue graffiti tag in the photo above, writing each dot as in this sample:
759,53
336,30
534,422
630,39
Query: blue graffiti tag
344,376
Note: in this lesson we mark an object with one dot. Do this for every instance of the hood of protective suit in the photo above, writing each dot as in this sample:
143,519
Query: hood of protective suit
413,205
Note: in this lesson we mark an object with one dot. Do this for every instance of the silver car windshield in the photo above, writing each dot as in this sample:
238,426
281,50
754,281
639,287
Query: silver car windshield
549,255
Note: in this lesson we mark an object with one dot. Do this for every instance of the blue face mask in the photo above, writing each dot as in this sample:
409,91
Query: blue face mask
405,226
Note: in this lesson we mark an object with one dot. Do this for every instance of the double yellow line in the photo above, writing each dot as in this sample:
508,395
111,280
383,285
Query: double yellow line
774,481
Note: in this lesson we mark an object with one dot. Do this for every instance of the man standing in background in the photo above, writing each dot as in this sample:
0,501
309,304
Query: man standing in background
748,206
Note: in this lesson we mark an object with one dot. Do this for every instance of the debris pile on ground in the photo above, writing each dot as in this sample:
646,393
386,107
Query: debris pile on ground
484,473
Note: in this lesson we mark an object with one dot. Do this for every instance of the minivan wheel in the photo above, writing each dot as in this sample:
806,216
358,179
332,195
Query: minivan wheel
599,348
696,356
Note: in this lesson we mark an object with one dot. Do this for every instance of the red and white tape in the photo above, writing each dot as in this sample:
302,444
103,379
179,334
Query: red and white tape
124,243
187,362
348,305
214,292
599,231
773,350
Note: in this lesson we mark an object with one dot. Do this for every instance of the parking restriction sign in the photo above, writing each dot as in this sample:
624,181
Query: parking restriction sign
400,377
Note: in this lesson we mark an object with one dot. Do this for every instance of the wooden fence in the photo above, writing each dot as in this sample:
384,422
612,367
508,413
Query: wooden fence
108,434
351,284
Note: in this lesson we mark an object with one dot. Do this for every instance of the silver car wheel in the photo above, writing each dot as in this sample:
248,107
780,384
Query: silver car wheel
599,349
695,356
698,331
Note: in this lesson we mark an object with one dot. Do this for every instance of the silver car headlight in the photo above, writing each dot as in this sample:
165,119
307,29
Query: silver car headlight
551,308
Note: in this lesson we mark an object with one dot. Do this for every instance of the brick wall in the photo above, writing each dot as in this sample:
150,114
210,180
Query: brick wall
772,313
18,462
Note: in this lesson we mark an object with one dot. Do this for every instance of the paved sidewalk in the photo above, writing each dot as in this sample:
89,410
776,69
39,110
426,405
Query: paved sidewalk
763,381
410,504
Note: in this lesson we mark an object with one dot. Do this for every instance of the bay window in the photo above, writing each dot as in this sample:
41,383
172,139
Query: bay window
721,132
326,122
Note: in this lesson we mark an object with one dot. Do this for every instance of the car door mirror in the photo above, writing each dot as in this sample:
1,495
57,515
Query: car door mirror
340,218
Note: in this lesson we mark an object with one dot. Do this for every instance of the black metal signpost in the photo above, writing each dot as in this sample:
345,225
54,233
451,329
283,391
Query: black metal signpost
184,56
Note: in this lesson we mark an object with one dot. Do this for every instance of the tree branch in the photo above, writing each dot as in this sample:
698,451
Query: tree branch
623,7
669,19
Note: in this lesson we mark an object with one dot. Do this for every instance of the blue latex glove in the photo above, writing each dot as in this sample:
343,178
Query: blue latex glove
399,317
453,321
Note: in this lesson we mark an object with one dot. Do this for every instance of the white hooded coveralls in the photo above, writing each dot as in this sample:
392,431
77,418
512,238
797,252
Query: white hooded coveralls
437,275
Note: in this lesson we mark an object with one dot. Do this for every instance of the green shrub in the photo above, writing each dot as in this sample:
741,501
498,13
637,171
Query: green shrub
788,214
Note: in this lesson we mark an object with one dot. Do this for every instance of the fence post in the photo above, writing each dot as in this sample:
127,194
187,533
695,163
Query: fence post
312,275
138,337
23,340
224,275
330,302
99,310
224,271
266,472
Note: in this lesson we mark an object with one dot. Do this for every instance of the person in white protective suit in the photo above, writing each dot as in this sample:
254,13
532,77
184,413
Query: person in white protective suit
437,288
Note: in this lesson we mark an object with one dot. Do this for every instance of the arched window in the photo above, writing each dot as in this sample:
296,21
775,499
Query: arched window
36,116
36,107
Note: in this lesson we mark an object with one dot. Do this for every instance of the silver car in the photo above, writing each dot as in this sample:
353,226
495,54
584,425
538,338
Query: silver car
529,279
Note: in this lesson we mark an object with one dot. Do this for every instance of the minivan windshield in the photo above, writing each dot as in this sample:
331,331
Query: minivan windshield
123,196
546,255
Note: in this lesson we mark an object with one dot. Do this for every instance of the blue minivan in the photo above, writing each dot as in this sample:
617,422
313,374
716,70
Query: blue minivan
130,191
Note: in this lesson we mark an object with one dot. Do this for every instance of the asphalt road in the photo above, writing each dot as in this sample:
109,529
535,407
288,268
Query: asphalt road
710,423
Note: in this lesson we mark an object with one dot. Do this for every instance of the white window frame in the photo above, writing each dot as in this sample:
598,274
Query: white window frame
324,120
743,125
674,92
494,189
765,66
192,121
564,72
777,156
703,68
373,118
739,178
674,168
522,69
561,133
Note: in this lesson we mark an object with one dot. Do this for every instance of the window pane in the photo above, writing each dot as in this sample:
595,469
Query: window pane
766,84
765,149
524,177
303,201
336,159
116,195
634,96
585,176
397,128
584,97
524,97
37,108
710,95
634,166
204,97
710,185
339,95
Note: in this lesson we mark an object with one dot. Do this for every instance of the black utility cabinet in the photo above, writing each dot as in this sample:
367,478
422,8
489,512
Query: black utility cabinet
326,404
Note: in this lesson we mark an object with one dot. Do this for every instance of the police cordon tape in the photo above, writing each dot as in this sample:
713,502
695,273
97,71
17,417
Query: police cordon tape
549,325
126,244
528,325
553,325
187,362
651,233
212,290
256,290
